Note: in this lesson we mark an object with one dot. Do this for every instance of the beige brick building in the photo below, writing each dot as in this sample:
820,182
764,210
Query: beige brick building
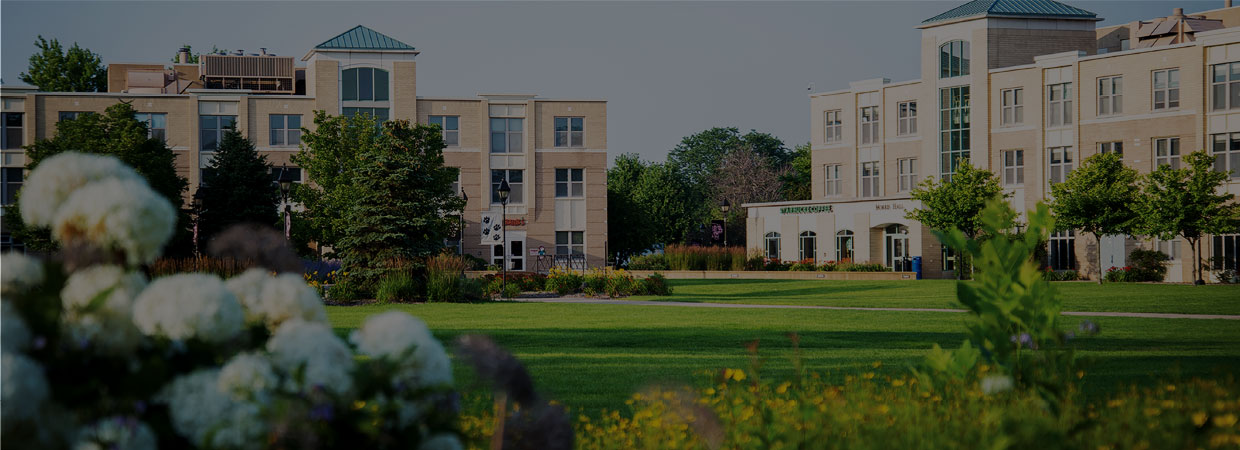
1027,90
553,152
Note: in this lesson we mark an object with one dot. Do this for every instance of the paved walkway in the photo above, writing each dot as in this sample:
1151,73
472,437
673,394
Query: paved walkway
599,301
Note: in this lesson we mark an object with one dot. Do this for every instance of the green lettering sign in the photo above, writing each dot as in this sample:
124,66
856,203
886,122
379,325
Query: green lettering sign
805,209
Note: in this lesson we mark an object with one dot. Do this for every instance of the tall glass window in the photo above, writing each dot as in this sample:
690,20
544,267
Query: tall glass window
1013,106
1226,251
507,135
1062,251
570,183
907,174
1167,89
844,245
1060,163
809,245
12,182
834,185
907,118
1225,86
1110,95
953,129
364,84
953,59
13,134
870,180
832,126
772,245
1059,105
1226,151
1013,167
869,125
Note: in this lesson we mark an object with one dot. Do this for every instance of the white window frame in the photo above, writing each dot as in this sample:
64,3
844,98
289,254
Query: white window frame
570,246
1059,105
1110,95
1116,147
832,126
812,238
907,170
844,245
906,118
517,195
771,239
868,121
871,179
451,136
1167,151
8,143
1057,245
1013,167
1226,153
572,188
1170,89
1060,162
287,134
219,130
1229,86
1171,248
834,184
151,130
1012,104
575,138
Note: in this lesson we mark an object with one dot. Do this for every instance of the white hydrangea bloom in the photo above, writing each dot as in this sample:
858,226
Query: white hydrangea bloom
325,360
398,336
275,300
441,441
188,306
117,214
52,182
23,388
109,325
18,273
247,376
198,407
116,433
14,334
241,428
994,384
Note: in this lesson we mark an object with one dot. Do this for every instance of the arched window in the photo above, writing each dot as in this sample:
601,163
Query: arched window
844,245
954,59
364,84
809,245
772,245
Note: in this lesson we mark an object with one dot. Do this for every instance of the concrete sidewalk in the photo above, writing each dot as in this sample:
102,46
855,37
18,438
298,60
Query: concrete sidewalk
599,301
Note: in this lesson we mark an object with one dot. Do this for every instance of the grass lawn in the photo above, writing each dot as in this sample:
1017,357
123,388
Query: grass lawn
1077,296
594,356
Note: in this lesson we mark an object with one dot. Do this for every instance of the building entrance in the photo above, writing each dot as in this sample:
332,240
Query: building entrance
896,252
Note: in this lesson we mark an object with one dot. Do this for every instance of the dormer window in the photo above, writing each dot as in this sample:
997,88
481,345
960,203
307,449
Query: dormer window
954,59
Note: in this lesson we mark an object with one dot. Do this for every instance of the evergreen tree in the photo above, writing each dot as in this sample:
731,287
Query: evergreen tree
236,188
53,69
1097,198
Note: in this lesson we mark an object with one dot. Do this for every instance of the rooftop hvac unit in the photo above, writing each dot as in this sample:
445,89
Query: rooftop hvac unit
271,74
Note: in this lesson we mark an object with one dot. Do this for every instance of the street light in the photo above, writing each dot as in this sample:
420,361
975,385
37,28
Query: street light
285,185
460,234
724,206
504,190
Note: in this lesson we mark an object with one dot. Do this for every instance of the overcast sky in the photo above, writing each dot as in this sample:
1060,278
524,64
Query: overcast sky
667,70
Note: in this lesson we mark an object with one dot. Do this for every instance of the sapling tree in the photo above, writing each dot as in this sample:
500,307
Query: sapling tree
1188,203
1097,198
956,204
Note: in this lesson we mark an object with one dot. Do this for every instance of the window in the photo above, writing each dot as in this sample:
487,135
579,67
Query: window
1013,107
570,183
1170,248
949,259
211,130
1167,89
1224,86
772,245
364,84
1013,167
809,245
1062,251
449,128
288,173
907,118
570,132
953,59
516,181
833,127
1116,147
1226,252
1226,150
570,242
456,183
70,115
869,179
1110,95
379,114
843,245
506,135
12,135
953,129
1167,152
869,125
285,130
156,124
11,183
1060,163
907,174
834,185
1059,108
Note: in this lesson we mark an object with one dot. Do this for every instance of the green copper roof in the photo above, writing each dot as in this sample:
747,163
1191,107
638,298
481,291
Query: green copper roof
362,38
1032,8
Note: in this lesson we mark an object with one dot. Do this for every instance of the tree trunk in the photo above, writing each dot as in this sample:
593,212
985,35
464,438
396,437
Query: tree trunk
1196,260
1098,240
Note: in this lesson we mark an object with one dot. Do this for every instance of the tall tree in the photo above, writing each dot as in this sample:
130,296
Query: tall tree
698,155
743,177
674,207
330,155
115,132
237,187
798,179
955,204
1187,202
52,69
629,226
1097,198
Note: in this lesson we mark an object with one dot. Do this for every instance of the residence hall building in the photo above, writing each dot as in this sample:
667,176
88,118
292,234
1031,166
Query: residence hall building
1026,89
552,152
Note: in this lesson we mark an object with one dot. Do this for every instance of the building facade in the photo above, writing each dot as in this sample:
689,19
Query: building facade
553,153
1026,90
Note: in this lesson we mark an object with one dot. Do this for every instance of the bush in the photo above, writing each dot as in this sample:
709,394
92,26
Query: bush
563,281
776,265
620,283
510,290
222,267
1149,265
474,263
345,290
856,267
443,278
805,265
756,261
656,261
473,289
694,257
655,284
398,286
595,282
1062,275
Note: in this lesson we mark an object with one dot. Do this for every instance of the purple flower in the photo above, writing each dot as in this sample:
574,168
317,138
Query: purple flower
1024,340
1089,328
322,412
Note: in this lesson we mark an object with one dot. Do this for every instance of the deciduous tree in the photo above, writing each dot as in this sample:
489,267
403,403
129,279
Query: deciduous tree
1187,202
1097,198
799,176
52,69
955,204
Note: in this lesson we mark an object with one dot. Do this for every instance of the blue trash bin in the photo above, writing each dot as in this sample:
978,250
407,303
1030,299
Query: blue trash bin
917,266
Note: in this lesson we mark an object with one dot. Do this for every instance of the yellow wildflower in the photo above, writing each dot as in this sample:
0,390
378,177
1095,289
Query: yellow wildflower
1225,421
1199,418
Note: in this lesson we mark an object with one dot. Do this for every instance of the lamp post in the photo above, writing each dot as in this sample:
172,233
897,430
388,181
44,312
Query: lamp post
504,190
285,185
724,206
197,205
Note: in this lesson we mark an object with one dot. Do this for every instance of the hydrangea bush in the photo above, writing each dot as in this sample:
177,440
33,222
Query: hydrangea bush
95,355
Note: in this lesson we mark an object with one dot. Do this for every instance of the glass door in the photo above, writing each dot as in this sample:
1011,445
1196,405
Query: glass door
896,240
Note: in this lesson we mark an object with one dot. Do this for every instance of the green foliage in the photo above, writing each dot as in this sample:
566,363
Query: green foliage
654,261
699,155
631,226
116,133
655,284
378,196
52,69
236,188
444,280
1061,275
564,282
345,290
1150,265
798,179
222,267
1187,202
398,286
594,283
1097,198
193,58
955,204
694,257
510,290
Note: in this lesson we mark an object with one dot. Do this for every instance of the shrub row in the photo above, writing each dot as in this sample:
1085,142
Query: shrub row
595,282
676,257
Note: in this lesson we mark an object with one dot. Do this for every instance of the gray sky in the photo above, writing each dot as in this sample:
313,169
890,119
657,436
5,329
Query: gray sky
667,70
